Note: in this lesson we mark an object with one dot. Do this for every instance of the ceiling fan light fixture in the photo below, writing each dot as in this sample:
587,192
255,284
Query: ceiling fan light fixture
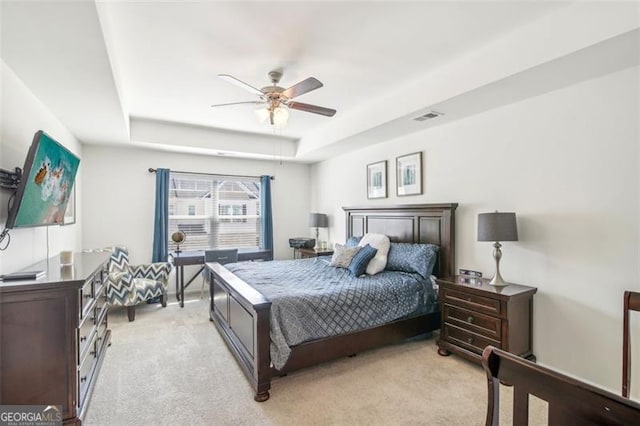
262,114
277,100
280,117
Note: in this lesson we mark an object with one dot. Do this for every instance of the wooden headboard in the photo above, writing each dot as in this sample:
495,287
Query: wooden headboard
411,223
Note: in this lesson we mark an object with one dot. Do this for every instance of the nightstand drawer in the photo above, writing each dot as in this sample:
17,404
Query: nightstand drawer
471,301
467,339
473,321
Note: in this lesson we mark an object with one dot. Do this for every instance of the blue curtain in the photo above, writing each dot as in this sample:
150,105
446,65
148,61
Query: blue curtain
266,230
161,217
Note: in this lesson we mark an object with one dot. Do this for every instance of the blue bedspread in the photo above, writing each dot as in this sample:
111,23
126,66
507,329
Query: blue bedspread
311,299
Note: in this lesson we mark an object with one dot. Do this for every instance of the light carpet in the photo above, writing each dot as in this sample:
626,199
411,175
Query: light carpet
171,367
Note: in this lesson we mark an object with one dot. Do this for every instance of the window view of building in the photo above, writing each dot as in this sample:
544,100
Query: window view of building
214,211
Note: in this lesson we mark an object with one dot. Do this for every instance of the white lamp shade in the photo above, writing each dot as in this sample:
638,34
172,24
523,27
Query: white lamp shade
262,114
280,117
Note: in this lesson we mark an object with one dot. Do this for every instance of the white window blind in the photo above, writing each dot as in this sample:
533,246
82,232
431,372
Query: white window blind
214,211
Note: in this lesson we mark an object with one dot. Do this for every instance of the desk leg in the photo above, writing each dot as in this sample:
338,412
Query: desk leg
178,269
182,287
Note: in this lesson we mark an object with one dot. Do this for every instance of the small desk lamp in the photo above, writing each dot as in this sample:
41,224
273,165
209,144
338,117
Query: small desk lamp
497,227
178,237
318,220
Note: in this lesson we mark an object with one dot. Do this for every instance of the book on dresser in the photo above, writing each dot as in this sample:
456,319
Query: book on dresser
23,275
54,335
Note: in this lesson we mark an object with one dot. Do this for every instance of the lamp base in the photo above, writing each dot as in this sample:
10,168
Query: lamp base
317,246
498,281
497,278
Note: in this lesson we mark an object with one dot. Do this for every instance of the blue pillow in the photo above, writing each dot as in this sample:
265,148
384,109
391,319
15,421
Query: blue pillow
353,241
412,258
360,261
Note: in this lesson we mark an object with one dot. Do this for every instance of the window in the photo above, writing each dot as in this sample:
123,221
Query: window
214,211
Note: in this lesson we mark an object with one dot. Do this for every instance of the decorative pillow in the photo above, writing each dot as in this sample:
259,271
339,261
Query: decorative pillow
412,258
353,241
381,243
342,255
359,263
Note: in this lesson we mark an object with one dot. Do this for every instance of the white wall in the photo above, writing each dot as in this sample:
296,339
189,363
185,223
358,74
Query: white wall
567,163
22,116
120,195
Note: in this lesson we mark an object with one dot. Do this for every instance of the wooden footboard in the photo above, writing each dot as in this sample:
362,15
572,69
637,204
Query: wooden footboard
241,315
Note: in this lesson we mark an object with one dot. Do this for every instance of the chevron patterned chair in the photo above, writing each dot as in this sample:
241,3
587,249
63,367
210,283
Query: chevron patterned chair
129,285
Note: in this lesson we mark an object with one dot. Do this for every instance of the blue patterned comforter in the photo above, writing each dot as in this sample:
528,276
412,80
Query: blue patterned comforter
311,300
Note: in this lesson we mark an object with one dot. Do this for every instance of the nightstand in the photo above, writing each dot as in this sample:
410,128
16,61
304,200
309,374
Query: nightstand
475,314
304,253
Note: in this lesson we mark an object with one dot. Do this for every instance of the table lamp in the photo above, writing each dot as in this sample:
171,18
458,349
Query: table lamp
318,220
497,227
178,237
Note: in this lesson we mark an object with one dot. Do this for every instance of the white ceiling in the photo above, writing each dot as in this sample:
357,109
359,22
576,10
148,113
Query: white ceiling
121,67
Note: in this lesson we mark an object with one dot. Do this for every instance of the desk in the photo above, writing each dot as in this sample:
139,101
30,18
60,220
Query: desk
196,257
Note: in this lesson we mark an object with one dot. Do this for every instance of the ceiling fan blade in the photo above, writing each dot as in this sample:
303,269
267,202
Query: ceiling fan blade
238,103
312,108
303,87
246,86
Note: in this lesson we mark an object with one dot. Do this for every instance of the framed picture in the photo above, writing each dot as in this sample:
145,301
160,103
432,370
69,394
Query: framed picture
409,174
70,213
377,180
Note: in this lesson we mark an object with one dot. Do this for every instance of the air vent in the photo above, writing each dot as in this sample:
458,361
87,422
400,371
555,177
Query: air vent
428,116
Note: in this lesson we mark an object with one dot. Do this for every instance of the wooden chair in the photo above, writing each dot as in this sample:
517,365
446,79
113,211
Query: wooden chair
631,303
571,402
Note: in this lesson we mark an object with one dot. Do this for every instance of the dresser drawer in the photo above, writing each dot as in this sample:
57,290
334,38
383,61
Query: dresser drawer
101,301
101,329
85,336
471,301
473,321
85,372
86,297
464,338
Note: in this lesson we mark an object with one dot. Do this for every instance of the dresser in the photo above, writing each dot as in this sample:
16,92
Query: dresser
476,314
54,335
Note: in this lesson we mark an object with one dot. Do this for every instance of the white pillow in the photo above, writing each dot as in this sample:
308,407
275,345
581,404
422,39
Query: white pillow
380,242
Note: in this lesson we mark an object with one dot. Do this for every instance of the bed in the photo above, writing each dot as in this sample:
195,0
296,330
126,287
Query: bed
242,314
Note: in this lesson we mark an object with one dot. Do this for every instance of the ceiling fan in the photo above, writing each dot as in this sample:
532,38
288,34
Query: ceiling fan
276,98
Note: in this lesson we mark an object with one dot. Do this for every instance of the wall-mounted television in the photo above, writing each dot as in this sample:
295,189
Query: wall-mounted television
47,181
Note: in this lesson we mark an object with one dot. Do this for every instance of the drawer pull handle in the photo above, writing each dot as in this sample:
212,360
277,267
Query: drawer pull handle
470,319
87,296
92,353
83,379
83,338
470,340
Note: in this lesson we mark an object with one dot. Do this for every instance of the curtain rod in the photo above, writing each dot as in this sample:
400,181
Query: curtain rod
152,170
